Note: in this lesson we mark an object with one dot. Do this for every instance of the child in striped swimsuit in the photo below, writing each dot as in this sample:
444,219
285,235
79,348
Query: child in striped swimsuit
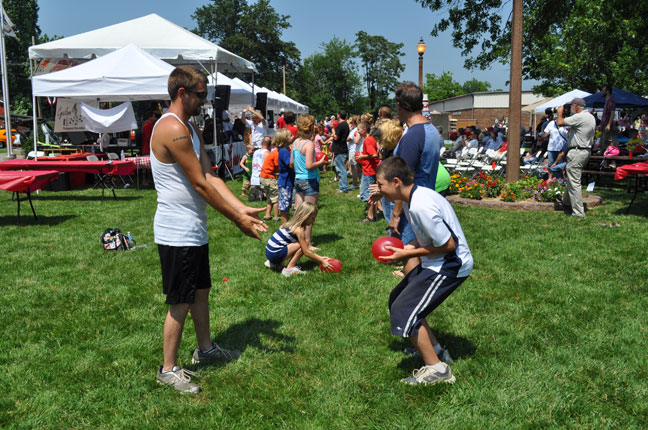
290,243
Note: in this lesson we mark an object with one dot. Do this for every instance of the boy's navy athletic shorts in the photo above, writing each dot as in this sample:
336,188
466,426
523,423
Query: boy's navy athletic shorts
185,269
418,294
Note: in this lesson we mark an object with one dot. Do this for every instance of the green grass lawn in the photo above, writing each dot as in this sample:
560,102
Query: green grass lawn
550,331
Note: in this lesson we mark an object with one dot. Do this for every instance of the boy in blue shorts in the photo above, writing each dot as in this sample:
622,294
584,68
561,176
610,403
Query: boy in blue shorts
444,263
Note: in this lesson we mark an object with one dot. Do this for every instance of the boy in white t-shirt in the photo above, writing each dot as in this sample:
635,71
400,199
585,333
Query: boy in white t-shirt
445,263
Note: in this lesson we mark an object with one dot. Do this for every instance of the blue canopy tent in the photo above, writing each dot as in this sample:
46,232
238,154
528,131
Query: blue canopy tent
623,99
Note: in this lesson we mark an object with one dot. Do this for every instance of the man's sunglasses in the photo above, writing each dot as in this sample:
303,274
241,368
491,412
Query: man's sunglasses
201,95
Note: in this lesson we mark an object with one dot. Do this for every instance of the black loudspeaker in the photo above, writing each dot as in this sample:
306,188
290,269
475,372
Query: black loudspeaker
261,103
271,120
222,97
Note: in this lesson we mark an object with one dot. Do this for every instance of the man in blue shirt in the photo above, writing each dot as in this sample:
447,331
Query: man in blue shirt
419,147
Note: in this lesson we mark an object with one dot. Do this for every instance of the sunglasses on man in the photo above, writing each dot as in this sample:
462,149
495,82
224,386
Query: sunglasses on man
200,94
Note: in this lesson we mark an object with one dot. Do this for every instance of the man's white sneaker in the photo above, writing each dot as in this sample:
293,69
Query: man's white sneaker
179,378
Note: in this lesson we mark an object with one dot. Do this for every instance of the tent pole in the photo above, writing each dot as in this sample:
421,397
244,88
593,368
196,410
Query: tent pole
215,75
35,120
5,91
253,88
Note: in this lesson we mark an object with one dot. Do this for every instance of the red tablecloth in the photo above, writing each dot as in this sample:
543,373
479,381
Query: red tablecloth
631,170
143,162
67,157
116,167
21,181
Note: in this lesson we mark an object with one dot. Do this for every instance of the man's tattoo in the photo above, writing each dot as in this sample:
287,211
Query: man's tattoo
175,139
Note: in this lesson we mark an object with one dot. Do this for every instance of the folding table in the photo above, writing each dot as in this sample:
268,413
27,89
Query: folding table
637,170
103,169
26,182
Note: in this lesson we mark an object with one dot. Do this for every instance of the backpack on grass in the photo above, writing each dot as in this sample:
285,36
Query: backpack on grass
113,239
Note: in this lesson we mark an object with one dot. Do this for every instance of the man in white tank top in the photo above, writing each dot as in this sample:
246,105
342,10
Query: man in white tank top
185,184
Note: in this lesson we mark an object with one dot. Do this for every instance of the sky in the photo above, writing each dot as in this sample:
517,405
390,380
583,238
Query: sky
313,23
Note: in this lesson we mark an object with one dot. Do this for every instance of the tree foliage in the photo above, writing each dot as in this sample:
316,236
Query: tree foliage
380,60
474,86
252,31
441,87
329,81
444,86
567,44
24,15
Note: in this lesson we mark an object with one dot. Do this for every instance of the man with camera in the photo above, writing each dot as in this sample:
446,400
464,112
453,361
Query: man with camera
581,139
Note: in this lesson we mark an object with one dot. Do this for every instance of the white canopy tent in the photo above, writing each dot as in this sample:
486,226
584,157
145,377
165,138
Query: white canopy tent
126,74
276,101
240,93
561,100
123,75
152,33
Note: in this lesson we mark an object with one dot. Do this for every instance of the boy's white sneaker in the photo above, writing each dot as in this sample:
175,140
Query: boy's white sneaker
427,375
296,270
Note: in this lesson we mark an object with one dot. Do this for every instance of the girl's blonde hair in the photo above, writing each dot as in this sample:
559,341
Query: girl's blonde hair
247,134
283,138
367,117
305,124
390,133
303,212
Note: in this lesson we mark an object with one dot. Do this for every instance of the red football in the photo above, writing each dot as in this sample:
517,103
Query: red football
337,266
321,155
378,248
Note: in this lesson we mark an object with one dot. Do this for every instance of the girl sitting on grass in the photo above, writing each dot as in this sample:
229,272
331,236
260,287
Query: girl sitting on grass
290,242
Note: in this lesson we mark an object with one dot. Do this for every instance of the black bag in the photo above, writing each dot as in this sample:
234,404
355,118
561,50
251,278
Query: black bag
113,239
256,194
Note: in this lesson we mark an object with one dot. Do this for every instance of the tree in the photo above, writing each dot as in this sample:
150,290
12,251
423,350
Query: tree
329,81
380,60
441,87
24,15
252,31
475,86
567,44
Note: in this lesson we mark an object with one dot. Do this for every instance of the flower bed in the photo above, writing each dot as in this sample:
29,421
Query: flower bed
481,185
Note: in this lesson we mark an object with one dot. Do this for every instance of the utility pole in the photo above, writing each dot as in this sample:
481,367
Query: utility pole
515,96
284,79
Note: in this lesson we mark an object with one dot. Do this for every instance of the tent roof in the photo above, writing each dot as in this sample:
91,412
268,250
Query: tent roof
531,107
623,99
152,33
235,85
125,74
561,100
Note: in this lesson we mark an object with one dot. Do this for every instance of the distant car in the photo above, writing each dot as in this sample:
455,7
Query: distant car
3,137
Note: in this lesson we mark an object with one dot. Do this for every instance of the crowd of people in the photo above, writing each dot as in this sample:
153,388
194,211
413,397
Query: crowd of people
393,163
395,171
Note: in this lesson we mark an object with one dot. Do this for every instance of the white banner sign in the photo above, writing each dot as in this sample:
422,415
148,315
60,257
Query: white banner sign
68,116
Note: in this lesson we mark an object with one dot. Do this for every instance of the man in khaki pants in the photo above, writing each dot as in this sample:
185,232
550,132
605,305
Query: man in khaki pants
581,139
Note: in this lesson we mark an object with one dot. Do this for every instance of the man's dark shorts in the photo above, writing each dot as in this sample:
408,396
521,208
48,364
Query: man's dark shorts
185,269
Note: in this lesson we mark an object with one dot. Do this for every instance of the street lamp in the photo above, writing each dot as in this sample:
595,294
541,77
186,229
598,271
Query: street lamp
420,48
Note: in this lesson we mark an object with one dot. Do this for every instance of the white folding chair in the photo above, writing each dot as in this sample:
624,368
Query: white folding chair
534,168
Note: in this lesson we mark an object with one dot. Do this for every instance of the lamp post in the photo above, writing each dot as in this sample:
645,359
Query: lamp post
420,48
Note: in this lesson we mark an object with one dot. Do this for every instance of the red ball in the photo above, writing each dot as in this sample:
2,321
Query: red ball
337,266
321,155
378,248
